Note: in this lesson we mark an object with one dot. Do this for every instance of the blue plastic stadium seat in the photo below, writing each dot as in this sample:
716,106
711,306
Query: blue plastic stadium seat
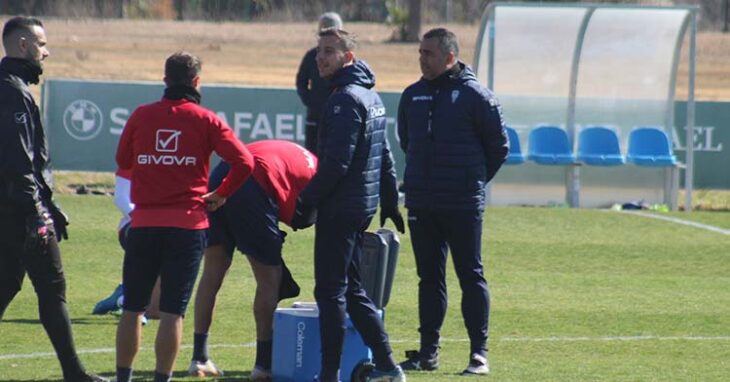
649,146
549,145
599,146
515,151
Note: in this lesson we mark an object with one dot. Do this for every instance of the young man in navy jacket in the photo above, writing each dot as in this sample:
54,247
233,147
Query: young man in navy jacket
355,171
453,134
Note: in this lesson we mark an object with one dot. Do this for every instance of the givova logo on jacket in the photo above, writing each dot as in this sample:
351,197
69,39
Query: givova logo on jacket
166,141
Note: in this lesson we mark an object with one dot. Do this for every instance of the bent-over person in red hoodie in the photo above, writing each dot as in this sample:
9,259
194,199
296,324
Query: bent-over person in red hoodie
167,146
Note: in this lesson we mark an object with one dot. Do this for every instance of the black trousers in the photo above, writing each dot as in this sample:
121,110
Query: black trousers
433,234
337,252
45,271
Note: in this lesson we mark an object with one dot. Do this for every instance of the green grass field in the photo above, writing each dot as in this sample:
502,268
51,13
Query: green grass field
577,295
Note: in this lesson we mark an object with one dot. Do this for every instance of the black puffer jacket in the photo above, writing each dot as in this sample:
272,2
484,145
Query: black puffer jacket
25,176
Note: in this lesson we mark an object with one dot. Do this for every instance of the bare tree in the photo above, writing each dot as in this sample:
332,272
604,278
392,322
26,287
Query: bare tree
415,18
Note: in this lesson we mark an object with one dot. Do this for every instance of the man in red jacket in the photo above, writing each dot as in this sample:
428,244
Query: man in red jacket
167,146
250,222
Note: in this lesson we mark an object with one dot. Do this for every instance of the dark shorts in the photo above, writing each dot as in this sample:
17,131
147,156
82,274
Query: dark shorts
124,234
173,254
248,221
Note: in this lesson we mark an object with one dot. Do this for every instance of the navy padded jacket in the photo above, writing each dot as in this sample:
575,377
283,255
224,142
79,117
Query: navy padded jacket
452,131
355,163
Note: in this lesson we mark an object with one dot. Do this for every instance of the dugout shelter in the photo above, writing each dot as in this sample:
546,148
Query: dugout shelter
610,69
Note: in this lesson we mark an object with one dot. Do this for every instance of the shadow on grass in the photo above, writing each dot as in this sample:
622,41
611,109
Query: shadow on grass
230,376
22,321
94,321
75,321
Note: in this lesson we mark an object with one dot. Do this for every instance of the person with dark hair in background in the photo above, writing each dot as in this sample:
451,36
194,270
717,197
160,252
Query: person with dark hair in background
31,223
167,146
313,90
249,221
355,172
452,131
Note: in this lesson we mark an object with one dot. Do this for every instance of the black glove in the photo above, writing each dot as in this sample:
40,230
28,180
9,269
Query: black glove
36,233
394,215
288,287
60,220
304,216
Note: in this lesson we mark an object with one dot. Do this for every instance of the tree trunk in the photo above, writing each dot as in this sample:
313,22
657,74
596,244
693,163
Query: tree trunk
415,16
180,10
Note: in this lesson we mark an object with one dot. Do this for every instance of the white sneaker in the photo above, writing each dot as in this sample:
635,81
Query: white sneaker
478,365
259,374
395,375
204,369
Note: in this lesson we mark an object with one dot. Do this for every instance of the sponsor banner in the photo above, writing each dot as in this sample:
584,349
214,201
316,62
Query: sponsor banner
711,143
85,119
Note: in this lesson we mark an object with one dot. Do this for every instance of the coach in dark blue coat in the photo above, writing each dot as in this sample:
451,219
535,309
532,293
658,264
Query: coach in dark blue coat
355,171
453,134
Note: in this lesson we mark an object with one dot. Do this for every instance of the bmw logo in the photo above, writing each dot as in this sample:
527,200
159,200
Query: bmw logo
82,120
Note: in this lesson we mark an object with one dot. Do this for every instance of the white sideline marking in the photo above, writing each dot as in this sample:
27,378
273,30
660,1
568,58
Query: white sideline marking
112,350
679,221
504,339
579,339
618,338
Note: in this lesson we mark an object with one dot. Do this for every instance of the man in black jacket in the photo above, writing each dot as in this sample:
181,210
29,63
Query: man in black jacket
355,170
31,224
453,134
313,90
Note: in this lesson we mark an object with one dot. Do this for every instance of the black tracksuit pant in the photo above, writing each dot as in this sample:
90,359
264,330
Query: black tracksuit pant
45,271
433,233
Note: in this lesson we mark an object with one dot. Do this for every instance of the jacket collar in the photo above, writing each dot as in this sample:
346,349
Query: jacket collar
182,92
28,71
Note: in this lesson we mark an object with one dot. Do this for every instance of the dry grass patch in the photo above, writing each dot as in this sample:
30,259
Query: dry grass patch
268,54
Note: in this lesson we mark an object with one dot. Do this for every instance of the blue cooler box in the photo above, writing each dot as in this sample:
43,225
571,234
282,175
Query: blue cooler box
297,349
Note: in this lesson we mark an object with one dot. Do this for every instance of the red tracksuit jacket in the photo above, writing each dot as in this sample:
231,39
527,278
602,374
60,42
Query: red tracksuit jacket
167,146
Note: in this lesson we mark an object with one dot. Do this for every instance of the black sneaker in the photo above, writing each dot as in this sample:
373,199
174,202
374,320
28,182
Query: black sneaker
414,361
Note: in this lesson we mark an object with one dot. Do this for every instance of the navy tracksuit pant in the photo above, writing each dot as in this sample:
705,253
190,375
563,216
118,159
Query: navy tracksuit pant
337,252
433,233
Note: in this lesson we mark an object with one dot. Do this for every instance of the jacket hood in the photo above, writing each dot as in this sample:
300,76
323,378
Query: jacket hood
358,73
